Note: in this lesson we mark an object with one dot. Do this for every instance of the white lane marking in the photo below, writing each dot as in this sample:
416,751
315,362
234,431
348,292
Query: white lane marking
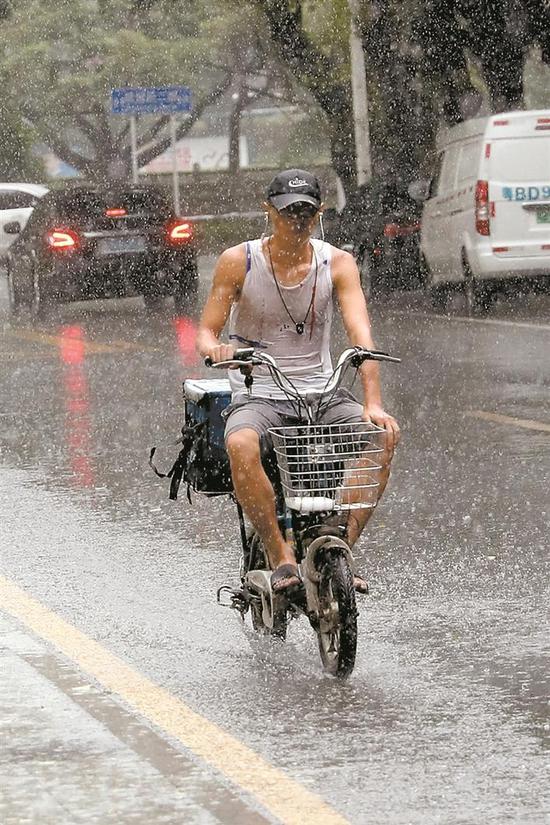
463,319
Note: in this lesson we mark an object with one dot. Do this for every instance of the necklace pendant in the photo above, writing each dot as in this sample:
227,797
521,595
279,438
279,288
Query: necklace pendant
300,328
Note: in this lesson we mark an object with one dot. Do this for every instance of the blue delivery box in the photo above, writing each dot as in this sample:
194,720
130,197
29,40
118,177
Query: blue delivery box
208,467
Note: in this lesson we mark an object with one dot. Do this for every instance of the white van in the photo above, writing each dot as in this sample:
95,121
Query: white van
486,215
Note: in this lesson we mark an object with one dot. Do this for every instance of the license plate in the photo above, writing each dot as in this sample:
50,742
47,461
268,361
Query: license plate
543,214
120,246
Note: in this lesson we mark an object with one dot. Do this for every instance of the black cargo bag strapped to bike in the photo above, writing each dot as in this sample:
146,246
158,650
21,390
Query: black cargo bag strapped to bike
202,461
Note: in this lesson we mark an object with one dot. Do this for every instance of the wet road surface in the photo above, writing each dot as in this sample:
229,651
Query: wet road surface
446,718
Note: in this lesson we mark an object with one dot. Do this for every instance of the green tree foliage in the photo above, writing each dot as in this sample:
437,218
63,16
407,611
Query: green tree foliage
16,160
62,58
426,60
439,60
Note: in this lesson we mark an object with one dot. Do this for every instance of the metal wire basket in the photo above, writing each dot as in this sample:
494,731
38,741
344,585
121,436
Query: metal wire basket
329,467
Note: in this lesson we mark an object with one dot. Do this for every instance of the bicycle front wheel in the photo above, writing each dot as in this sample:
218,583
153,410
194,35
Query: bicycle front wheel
337,629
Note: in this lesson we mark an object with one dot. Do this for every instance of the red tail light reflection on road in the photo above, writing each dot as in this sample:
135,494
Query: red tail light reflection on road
72,352
72,345
186,332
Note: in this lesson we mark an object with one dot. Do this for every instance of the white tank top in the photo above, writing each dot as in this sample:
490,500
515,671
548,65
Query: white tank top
259,319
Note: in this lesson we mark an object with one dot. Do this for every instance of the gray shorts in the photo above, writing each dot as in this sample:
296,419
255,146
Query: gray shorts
262,414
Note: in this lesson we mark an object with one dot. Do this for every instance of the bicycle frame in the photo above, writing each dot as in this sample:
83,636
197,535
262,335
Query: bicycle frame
318,546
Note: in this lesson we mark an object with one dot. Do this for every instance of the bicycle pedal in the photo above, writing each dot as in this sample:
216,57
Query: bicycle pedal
232,597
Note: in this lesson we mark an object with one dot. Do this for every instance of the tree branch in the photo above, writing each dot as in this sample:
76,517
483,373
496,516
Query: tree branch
308,65
89,129
64,152
157,127
314,71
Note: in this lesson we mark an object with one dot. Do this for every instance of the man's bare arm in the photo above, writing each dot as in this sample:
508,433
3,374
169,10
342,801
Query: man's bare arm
355,316
227,284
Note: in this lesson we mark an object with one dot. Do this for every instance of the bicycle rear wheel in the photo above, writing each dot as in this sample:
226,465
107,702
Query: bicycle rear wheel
337,629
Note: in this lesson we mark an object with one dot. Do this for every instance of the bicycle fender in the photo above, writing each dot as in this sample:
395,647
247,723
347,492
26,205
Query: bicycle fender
310,573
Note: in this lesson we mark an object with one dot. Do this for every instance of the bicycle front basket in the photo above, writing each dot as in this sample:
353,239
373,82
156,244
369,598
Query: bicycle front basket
329,467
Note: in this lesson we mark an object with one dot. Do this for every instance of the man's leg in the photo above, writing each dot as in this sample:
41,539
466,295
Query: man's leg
256,496
346,410
358,518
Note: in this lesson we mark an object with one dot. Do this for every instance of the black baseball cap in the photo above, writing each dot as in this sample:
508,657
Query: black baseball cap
294,186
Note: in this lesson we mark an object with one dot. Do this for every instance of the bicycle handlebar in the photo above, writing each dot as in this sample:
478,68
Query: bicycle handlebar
378,355
240,358
354,357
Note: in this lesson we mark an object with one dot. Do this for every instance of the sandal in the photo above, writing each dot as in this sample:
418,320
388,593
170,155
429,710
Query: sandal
285,578
361,586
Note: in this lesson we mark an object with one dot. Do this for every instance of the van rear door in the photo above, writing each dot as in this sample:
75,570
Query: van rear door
518,171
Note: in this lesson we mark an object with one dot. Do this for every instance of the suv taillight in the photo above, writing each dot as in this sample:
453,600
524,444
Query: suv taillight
62,240
482,207
179,232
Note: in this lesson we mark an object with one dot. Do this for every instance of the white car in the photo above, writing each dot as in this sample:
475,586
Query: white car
486,215
17,201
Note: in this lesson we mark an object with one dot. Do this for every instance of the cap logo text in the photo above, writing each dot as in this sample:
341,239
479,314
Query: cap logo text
295,182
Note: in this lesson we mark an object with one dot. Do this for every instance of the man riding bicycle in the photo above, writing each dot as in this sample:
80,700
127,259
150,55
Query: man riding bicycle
277,292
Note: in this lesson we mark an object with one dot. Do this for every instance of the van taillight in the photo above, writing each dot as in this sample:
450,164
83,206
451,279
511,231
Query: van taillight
482,207
64,240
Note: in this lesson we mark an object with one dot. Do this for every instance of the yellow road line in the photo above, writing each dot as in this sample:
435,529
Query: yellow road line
20,354
89,346
281,795
128,345
526,423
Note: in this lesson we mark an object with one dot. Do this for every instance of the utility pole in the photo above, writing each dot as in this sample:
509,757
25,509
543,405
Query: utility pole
360,99
239,103
134,151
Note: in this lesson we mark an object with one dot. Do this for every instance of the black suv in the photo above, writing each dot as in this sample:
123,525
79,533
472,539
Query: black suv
82,243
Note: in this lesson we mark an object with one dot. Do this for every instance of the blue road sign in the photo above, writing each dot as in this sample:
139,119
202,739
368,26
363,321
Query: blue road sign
152,100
